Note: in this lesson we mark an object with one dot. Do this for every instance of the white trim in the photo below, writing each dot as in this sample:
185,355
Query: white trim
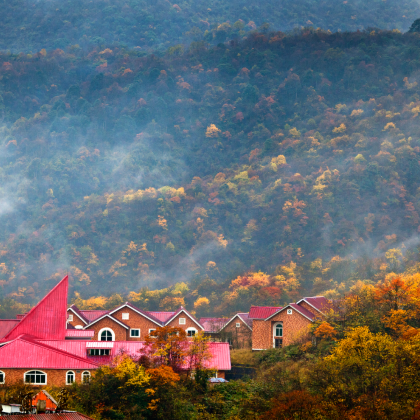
291,307
90,376
191,329
304,300
234,316
274,330
184,321
70,318
133,309
110,317
238,325
150,330
34,370
135,329
74,375
106,329
78,316
125,315
4,377
188,315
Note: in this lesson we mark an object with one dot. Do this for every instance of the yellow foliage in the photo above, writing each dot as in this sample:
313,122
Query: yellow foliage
201,303
356,112
341,129
279,160
212,131
294,132
389,126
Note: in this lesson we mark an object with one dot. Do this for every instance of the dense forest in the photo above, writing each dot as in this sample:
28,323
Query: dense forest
30,25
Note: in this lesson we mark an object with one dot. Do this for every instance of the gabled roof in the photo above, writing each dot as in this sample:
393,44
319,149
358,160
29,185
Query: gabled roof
243,317
213,325
319,303
93,314
76,311
304,312
110,317
161,316
6,325
139,311
262,312
28,353
48,318
179,311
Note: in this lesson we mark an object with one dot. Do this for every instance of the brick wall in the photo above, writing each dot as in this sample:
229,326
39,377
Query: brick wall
310,309
135,320
76,320
121,334
239,337
55,377
189,323
294,326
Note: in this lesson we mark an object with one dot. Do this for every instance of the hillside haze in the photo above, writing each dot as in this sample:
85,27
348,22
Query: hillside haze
291,153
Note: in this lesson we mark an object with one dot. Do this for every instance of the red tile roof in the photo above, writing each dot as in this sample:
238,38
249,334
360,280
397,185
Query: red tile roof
7,325
47,319
58,416
213,324
161,316
319,303
262,312
26,352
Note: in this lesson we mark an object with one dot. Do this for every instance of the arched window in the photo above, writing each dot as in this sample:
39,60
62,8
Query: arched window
70,377
35,377
2,377
106,334
191,332
85,377
279,330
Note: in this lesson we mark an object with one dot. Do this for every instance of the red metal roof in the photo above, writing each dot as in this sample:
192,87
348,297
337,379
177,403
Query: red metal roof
91,315
6,325
319,303
220,351
27,352
213,324
262,312
80,333
161,316
62,416
303,311
47,319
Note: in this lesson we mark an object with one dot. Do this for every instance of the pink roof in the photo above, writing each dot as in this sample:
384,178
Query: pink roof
80,333
161,316
246,318
7,325
26,352
213,324
303,311
48,319
262,312
319,303
58,416
91,315
220,351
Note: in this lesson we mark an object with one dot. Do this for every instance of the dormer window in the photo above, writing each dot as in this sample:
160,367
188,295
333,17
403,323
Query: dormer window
181,321
125,315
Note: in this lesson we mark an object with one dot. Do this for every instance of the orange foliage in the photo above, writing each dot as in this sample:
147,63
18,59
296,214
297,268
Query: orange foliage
325,330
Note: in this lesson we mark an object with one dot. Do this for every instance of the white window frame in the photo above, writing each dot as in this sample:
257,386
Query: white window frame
106,329
34,370
150,330
290,312
134,329
83,374
191,329
274,332
74,376
238,325
79,327
125,315
70,318
4,377
182,321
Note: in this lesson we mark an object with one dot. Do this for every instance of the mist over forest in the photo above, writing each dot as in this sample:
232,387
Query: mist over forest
214,155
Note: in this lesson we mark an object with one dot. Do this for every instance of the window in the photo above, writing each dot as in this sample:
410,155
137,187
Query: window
36,377
278,330
135,333
2,376
181,321
278,343
79,327
289,312
71,317
99,352
86,377
191,332
106,334
238,325
152,332
125,315
70,377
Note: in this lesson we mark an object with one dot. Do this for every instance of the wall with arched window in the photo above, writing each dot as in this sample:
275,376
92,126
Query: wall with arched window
106,334
278,335
35,377
2,377
86,376
70,377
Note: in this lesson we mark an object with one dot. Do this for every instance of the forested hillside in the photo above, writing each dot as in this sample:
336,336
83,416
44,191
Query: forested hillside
29,26
293,154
